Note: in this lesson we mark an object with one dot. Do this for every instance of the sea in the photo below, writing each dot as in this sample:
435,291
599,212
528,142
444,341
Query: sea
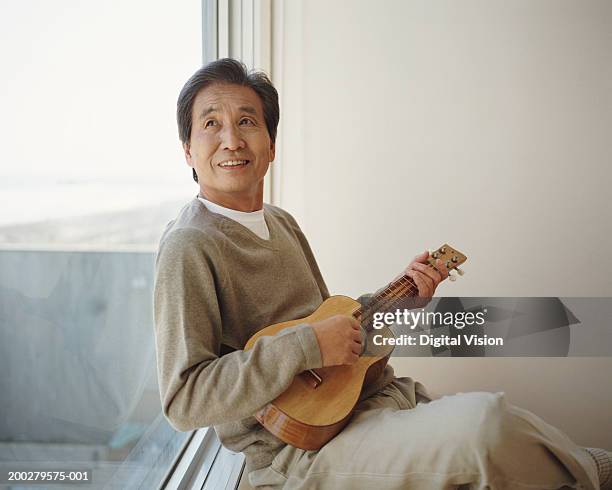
24,201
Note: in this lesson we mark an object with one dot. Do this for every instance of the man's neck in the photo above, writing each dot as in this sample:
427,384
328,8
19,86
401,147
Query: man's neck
246,204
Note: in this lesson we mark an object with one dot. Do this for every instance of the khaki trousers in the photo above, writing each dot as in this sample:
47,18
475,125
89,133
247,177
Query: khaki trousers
468,440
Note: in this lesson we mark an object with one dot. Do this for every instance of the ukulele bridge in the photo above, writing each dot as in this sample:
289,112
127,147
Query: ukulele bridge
312,378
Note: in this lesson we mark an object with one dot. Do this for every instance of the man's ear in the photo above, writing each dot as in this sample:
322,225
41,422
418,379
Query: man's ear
187,151
272,151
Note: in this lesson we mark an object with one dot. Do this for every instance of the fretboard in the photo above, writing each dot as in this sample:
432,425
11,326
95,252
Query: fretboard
386,298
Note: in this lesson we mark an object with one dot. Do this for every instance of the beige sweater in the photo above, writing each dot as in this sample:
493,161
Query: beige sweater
217,283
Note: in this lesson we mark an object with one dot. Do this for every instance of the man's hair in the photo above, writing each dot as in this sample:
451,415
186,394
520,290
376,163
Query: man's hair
226,70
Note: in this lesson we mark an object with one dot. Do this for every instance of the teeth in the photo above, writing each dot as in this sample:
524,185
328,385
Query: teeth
233,163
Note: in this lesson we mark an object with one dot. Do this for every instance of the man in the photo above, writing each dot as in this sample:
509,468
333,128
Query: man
230,265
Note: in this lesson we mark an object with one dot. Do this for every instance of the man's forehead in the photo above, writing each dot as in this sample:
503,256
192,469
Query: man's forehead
220,97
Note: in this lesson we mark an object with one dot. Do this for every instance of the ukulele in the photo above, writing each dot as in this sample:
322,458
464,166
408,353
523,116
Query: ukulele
319,402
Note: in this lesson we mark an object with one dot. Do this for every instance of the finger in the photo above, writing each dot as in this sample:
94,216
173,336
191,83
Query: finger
441,266
422,257
418,259
429,271
353,358
357,336
420,279
427,281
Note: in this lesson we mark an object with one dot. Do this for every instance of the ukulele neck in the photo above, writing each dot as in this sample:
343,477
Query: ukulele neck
386,298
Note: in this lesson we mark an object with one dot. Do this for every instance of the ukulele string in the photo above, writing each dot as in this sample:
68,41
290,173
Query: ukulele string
384,300
388,296
406,287
393,293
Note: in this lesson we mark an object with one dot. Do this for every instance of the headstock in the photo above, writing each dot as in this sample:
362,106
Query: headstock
450,256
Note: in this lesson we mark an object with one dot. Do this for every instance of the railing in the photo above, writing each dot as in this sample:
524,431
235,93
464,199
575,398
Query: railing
77,363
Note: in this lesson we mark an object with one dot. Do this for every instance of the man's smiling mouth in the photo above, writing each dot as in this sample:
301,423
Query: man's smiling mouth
234,163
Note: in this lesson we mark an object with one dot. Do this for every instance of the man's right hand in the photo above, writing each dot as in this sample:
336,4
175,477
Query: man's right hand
339,340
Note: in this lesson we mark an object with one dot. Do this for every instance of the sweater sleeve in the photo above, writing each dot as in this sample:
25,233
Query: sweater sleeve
198,388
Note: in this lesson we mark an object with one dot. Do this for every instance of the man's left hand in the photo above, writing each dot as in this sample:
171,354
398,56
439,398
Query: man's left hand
424,276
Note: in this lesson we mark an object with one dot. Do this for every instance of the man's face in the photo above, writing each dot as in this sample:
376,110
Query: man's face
230,147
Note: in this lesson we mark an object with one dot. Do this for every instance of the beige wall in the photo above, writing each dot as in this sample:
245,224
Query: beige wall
486,124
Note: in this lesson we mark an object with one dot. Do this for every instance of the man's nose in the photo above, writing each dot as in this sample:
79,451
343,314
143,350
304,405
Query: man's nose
231,139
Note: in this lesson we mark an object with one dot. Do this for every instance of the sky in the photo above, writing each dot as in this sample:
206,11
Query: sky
88,93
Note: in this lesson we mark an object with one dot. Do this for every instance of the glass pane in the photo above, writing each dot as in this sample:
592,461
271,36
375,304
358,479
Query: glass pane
91,170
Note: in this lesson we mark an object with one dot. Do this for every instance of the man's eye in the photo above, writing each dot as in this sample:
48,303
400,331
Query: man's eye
209,123
246,120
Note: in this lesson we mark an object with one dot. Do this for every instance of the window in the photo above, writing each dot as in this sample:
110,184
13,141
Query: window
91,170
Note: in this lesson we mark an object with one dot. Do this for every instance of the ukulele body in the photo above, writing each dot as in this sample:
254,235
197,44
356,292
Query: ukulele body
308,414
316,407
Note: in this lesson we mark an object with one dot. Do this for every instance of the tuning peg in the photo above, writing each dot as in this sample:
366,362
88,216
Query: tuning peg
452,277
459,271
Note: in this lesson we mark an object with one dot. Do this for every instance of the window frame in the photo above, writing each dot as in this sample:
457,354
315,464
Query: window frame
240,29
